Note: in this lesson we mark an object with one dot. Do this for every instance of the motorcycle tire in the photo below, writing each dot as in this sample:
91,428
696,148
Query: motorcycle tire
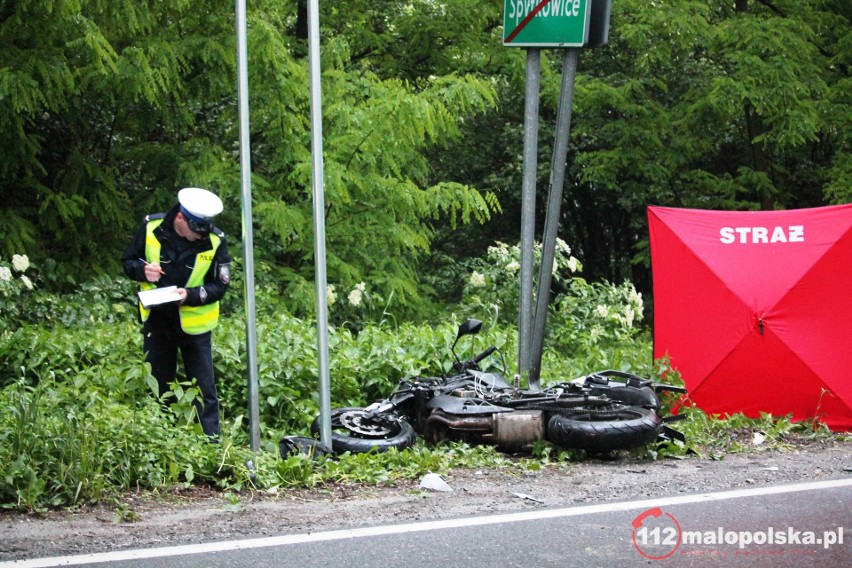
603,429
399,435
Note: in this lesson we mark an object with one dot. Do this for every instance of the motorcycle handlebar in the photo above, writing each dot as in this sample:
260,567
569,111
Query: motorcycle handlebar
484,354
464,366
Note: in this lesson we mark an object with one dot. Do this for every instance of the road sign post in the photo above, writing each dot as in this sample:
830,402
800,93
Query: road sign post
535,24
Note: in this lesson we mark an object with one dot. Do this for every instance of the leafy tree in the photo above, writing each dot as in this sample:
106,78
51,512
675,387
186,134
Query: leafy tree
381,200
734,105
106,107
109,107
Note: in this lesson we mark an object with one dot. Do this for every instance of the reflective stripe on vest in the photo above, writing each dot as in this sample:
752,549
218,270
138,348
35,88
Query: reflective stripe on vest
194,320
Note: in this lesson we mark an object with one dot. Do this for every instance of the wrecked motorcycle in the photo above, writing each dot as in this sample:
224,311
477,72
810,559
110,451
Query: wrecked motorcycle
600,412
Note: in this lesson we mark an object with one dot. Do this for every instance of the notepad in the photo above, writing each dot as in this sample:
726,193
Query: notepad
159,296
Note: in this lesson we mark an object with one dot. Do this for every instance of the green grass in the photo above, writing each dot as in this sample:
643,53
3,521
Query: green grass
80,423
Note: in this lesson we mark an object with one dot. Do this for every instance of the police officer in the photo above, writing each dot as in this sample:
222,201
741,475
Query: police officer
182,248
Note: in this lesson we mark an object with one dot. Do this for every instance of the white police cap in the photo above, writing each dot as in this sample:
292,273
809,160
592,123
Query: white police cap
199,205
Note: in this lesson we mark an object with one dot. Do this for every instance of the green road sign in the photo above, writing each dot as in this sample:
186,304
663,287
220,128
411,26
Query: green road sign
546,23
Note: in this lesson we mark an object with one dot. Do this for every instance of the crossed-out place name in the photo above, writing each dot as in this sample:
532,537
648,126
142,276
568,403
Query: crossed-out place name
518,9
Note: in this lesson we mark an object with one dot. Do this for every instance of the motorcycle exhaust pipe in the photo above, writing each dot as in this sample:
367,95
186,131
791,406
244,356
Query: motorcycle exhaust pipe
515,430
519,429
441,426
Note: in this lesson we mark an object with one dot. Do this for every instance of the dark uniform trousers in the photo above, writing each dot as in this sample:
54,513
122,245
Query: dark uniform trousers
161,345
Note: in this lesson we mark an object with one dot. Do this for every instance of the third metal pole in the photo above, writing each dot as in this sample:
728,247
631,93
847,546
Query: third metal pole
552,215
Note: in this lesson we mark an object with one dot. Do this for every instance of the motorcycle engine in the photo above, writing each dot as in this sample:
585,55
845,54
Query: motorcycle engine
464,393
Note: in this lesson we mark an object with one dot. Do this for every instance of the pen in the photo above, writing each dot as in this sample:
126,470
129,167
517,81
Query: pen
146,263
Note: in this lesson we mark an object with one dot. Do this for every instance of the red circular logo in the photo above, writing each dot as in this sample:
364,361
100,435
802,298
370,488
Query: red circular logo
656,534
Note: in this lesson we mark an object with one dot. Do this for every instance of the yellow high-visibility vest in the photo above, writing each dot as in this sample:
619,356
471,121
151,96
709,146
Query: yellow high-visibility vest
194,320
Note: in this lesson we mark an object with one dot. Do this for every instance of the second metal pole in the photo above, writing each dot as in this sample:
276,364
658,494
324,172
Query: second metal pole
528,209
248,240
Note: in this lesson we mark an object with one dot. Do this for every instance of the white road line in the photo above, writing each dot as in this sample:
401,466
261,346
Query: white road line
419,527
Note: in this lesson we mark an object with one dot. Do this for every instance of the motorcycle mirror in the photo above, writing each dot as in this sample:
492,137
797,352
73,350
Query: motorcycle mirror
468,327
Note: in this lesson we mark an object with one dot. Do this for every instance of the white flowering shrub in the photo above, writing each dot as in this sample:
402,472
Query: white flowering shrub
330,294
589,326
356,295
596,314
15,286
357,305
494,282
25,298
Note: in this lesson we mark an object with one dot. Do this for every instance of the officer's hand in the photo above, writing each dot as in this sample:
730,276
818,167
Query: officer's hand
182,293
153,272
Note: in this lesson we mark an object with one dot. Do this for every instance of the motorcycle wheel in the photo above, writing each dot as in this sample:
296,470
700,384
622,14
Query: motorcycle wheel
605,428
350,433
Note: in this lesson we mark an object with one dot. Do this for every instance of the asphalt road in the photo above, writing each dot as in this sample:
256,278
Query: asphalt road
808,524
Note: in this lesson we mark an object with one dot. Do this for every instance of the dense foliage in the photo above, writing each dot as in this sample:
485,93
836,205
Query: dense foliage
106,108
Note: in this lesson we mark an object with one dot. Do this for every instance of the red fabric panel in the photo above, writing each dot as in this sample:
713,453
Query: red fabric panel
752,308
697,318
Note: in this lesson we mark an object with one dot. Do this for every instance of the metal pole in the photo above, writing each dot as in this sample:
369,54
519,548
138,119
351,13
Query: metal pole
319,221
528,208
248,240
554,203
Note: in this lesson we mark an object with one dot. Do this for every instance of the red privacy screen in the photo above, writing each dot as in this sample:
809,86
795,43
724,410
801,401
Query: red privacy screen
755,309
